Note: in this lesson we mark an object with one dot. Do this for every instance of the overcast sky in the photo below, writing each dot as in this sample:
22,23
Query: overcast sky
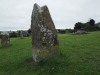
16,14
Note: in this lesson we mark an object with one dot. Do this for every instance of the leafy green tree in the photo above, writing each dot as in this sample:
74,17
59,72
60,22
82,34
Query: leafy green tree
92,22
78,26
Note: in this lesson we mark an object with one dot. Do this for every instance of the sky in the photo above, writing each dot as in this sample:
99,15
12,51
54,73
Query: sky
16,14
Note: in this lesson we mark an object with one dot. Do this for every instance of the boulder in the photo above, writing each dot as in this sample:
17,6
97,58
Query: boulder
5,40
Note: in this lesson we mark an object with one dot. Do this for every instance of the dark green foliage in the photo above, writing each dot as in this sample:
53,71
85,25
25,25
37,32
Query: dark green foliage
29,31
89,26
78,26
61,31
13,34
70,30
19,33
0,36
64,31
25,33
92,22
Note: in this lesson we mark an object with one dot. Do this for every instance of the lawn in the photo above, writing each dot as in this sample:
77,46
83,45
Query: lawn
80,55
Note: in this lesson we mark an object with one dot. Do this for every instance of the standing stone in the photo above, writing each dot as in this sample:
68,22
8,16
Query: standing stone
44,35
5,40
21,34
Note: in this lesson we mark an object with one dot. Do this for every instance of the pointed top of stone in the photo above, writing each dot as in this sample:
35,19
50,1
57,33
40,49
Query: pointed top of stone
37,7
44,8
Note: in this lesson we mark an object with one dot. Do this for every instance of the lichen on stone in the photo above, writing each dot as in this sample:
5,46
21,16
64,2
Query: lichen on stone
44,35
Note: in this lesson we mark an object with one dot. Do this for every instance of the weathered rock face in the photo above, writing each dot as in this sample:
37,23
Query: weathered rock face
5,40
44,34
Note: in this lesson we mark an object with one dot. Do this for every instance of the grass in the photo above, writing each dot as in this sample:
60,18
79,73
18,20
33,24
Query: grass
80,56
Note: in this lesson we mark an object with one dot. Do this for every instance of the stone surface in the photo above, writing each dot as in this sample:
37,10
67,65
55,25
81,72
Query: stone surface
21,34
5,40
44,35
78,32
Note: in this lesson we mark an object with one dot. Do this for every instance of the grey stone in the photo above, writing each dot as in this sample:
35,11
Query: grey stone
21,34
5,40
78,32
44,35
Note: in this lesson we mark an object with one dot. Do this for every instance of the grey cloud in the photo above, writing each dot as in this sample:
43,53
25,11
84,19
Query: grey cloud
16,14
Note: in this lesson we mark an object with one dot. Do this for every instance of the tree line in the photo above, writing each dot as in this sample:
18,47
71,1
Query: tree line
88,26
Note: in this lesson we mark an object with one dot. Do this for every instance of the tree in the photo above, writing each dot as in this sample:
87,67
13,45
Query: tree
78,26
92,22
13,34
88,26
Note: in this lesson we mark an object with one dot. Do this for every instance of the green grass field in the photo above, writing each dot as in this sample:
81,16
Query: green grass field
80,56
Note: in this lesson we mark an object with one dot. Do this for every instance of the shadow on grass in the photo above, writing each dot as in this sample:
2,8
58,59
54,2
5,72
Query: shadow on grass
51,66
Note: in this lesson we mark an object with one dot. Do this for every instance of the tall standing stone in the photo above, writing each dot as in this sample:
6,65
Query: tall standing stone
44,35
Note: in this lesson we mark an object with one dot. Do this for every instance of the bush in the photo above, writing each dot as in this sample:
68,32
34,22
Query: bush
62,31
13,34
